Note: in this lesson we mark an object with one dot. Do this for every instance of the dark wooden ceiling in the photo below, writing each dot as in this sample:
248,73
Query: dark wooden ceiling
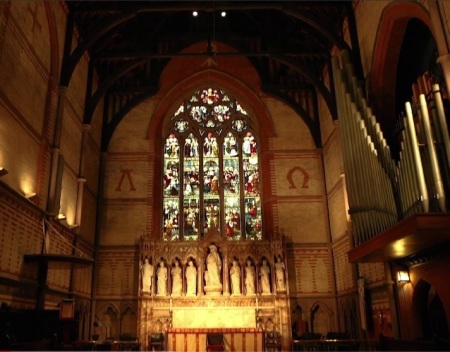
130,43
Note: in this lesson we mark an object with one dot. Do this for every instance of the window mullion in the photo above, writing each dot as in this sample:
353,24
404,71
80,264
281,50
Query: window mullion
181,198
241,187
221,189
201,177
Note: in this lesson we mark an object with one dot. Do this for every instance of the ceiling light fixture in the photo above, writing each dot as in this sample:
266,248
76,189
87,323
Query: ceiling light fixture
195,13
223,14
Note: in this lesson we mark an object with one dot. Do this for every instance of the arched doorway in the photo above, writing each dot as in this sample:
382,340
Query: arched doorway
419,43
404,30
429,312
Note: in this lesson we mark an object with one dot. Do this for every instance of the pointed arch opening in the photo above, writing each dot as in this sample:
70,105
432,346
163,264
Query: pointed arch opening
211,177
429,312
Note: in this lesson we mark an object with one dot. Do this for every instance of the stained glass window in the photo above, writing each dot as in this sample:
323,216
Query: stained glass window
211,170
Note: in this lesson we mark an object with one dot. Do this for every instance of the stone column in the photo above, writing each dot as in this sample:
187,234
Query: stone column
183,279
200,273
225,277
441,43
242,283
81,179
169,279
257,289
53,203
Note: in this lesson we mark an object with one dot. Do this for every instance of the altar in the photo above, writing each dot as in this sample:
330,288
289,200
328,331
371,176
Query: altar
214,317
236,339
213,286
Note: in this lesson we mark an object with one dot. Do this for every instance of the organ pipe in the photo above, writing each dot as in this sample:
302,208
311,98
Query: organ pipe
381,190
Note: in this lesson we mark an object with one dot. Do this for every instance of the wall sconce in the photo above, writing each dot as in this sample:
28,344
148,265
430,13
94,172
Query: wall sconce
403,276
61,217
3,171
381,317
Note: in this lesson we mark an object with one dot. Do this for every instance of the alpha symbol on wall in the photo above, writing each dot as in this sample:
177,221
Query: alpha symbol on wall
125,173
290,177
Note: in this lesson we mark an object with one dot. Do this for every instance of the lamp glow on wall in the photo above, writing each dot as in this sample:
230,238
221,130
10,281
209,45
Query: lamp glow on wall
30,196
403,276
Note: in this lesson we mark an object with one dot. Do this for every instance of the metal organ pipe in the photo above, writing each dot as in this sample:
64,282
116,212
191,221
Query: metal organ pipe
442,123
439,188
372,205
380,190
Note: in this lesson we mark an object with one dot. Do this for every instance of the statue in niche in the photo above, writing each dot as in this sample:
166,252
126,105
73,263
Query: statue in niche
280,274
250,278
191,279
235,274
146,276
264,273
176,279
161,273
214,267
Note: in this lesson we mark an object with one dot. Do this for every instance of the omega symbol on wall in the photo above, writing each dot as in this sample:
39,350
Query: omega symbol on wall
290,177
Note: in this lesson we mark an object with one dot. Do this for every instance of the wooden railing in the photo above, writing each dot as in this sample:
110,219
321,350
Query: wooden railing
392,344
115,345
334,345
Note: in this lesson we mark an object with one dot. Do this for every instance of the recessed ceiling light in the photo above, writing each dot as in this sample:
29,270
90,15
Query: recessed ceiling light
195,13
223,14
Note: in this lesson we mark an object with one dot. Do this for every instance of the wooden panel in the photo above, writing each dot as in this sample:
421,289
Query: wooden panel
410,236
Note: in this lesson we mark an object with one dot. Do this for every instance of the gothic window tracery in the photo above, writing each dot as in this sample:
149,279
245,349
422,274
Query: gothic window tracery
211,170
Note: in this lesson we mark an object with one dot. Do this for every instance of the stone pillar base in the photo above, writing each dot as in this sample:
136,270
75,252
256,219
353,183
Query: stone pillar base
213,290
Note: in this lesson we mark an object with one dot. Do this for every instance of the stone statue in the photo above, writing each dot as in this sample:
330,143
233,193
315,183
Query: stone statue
264,273
176,279
235,274
214,267
191,279
250,278
146,276
162,278
279,274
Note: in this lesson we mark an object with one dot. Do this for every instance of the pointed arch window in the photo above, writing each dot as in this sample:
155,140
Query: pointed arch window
211,170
